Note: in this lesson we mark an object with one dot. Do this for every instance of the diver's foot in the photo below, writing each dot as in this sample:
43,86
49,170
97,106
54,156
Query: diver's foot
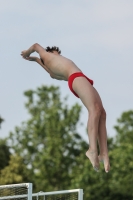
93,157
105,160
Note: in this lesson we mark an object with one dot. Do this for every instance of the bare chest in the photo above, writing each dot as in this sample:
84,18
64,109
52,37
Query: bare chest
59,65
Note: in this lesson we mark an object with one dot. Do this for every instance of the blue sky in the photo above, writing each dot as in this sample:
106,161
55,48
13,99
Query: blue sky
96,35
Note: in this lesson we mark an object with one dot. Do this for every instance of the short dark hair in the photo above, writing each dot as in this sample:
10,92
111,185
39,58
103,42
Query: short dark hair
54,48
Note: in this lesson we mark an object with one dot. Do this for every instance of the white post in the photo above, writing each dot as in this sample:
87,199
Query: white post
80,194
29,186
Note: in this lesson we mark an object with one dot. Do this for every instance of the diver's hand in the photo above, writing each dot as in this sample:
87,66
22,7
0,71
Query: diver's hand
25,53
31,58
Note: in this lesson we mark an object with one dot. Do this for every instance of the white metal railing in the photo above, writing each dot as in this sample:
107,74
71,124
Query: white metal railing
29,194
9,188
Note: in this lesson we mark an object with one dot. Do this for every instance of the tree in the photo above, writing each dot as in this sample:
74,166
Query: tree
124,128
122,176
15,172
118,183
53,153
48,142
4,153
1,121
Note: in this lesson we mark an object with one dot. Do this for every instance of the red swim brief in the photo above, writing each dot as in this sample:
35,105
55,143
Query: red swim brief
75,75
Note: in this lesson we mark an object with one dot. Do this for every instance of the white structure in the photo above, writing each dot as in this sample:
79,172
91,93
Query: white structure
24,192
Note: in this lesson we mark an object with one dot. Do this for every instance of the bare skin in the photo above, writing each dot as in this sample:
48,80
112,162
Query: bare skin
61,68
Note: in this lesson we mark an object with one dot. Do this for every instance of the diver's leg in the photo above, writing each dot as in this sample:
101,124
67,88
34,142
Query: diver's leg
102,139
92,101
92,126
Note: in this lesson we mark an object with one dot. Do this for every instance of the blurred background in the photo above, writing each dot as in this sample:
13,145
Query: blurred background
97,36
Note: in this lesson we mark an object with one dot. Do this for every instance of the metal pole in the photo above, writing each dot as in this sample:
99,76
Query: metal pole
80,194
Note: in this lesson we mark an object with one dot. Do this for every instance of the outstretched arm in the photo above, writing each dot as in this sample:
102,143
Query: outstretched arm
35,47
40,62
41,51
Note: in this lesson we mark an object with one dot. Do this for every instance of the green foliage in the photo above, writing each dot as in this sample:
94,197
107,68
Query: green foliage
1,121
15,172
48,141
122,173
50,153
124,128
118,183
4,154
